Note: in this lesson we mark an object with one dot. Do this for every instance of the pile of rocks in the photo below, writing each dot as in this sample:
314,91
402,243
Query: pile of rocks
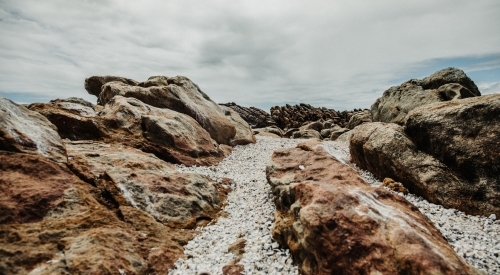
255,117
91,188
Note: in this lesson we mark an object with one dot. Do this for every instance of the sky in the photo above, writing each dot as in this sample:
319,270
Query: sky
337,54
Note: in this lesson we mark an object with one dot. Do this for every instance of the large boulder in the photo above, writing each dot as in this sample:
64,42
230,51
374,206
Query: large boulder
244,134
181,95
444,85
334,223
22,130
385,150
75,118
359,118
255,117
94,84
170,135
133,178
54,223
464,135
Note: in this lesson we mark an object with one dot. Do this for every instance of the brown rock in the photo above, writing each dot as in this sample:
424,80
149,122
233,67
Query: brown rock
359,118
255,117
306,134
398,101
94,84
132,178
271,129
244,134
181,95
334,223
233,269
464,135
337,131
22,130
394,186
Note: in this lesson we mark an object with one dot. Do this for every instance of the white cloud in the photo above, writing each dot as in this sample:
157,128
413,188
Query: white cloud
340,54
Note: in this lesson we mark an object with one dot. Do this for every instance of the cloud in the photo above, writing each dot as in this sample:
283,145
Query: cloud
337,54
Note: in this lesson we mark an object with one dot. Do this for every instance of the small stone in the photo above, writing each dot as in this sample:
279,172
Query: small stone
492,217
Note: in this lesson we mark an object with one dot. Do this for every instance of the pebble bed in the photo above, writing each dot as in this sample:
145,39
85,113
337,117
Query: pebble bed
250,214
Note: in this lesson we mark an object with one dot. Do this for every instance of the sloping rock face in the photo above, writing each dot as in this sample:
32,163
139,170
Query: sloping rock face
334,223
359,118
244,134
397,102
255,117
22,130
93,84
464,135
74,118
180,95
53,223
386,151
133,178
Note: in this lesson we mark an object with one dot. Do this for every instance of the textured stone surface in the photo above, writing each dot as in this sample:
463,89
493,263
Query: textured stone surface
180,95
133,178
54,223
359,118
306,134
335,223
444,85
270,129
255,117
244,134
296,116
464,135
93,84
22,130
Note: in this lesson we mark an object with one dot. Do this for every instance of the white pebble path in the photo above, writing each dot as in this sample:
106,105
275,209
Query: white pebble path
251,210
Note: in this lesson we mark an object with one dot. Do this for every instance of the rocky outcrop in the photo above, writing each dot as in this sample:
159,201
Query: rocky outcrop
387,151
255,117
444,85
334,223
94,84
359,118
464,136
22,130
132,178
244,134
75,118
270,129
180,95
53,223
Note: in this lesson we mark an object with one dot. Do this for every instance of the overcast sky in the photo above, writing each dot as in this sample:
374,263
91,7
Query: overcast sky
332,53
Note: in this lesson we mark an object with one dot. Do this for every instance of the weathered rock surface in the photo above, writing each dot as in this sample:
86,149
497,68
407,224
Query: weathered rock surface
306,134
53,223
464,135
244,134
22,130
359,118
386,151
334,223
75,118
133,178
337,131
180,95
255,117
444,85
270,129
94,84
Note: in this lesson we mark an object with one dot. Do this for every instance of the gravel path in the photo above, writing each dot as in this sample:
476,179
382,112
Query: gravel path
250,213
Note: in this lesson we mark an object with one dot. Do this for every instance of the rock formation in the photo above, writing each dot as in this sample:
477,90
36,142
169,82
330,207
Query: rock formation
256,117
334,223
397,102
180,95
244,134
94,84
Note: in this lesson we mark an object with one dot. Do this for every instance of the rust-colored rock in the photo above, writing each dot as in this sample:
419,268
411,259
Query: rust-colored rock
334,223
180,95
22,130
394,186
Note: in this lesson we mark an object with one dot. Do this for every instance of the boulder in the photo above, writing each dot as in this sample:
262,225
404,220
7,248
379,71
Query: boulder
133,178
75,118
306,134
316,126
255,117
170,135
94,84
180,95
337,131
289,132
244,134
385,150
359,118
22,130
334,223
463,135
270,129
398,101
54,223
